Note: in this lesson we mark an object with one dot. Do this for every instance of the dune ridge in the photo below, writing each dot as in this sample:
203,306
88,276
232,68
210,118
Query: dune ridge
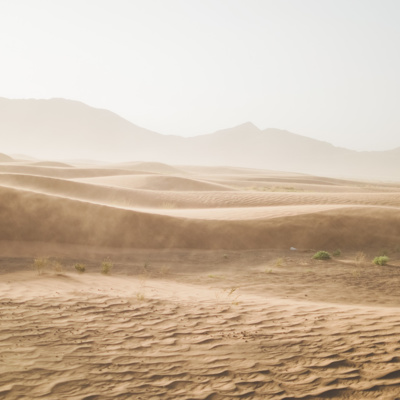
49,218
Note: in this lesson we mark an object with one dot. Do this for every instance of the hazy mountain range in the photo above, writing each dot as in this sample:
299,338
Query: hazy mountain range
63,129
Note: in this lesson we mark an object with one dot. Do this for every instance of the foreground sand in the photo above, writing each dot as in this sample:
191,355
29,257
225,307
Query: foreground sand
288,329
205,300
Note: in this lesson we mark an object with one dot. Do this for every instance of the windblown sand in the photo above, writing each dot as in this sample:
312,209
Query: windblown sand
205,299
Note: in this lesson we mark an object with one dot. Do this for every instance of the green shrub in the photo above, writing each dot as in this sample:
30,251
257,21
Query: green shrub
106,267
81,268
337,253
46,264
322,255
381,260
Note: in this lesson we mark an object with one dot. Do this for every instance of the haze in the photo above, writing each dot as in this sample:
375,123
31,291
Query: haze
190,207
323,69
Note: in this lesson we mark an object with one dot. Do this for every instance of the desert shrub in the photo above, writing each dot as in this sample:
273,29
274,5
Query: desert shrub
106,267
360,258
43,264
40,264
337,253
81,268
140,296
381,260
279,262
57,267
321,255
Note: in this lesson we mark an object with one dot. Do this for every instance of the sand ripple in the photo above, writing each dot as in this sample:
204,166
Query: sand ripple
102,346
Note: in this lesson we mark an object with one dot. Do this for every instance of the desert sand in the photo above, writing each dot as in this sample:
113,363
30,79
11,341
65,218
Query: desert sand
213,293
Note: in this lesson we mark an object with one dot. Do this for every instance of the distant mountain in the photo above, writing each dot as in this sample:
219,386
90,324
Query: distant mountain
63,129
60,128
5,158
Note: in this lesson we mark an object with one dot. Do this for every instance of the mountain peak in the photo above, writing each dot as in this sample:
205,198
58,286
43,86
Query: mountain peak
248,125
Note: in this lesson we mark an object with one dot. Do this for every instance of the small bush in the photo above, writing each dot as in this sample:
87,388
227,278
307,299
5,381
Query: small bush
322,255
360,258
381,260
140,296
81,268
279,262
57,267
337,253
40,264
106,267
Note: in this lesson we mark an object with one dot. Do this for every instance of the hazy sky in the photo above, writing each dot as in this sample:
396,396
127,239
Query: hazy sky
327,69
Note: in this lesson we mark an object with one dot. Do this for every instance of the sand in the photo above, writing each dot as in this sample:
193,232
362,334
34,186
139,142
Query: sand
205,299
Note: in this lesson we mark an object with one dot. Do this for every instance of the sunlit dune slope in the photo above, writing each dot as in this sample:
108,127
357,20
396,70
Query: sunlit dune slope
158,182
37,217
175,200
150,167
60,172
51,164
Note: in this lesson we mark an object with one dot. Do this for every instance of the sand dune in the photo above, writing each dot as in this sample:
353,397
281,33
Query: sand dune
151,167
5,158
156,182
51,164
65,173
206,300
28,216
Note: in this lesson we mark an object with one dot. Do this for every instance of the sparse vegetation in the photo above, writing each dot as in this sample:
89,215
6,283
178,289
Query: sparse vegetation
381,260
228,294
279,262
321,255
268,270
106,266
337,253
360,258
81,268
140,296
40,264
57,267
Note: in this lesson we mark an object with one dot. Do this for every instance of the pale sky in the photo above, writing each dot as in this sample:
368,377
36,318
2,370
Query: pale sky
326,69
